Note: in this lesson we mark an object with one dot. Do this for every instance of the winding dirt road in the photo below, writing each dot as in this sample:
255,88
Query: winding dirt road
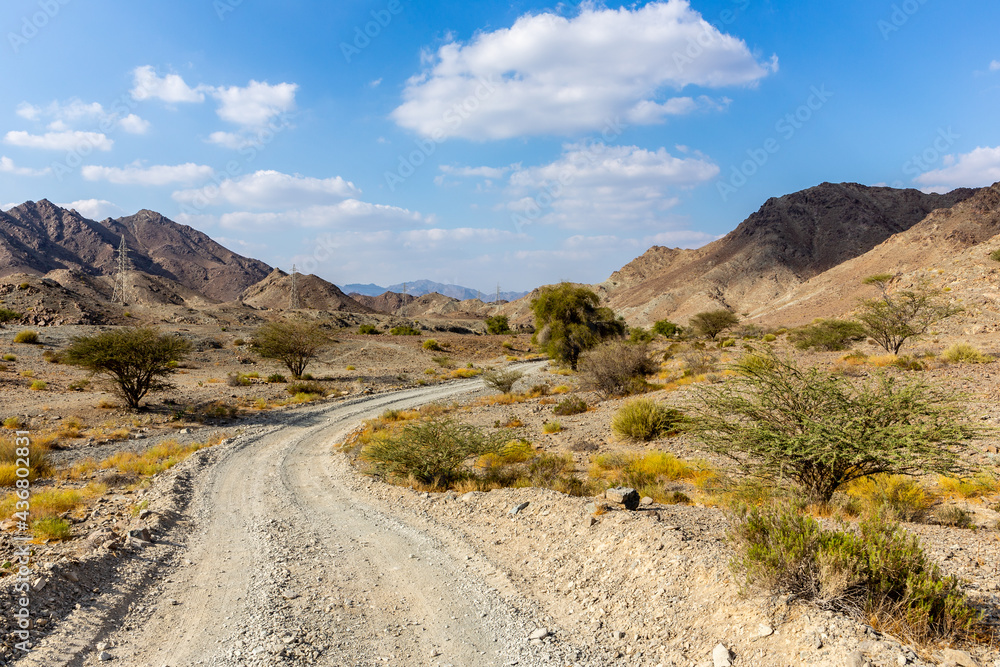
282,559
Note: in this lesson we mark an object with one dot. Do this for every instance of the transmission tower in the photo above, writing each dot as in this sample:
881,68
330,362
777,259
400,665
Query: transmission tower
120,294
293,298
498,292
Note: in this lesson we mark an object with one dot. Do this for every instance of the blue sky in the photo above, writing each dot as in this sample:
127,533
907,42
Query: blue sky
476,143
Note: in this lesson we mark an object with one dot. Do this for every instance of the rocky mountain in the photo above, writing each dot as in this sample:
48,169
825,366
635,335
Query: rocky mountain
274,292
422,287
789,240
39,237
386,302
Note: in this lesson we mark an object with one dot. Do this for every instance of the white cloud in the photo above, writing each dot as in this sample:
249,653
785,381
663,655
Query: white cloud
977,169
170,88
60,141
95,209
133,124
350,212
595,185
484,172
271,190
548,74
232,140
7,166
137,174
995,66
255,104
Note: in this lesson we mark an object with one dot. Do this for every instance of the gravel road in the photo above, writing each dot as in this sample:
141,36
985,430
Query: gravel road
282,559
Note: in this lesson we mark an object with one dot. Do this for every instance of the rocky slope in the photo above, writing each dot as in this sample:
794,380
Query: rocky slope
788,241
39,237
274,292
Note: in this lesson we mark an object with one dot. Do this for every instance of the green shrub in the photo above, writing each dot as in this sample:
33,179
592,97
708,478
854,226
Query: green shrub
52,356
666,328
12,423
644,419
39,385
574,405
305,388
617,368
404,330
640,335
829,335
498,325
275,378
770,338
953,516
503,379
895,496
293,343
995,255
710,324
729,342
26,337
569,320
239,342
431,344
963,353
551,427
10,357
237,380
878,574
432,452
8,315
368,330
79,385
51,528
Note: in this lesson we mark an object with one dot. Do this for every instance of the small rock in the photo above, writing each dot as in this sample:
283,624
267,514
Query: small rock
855,659
71,576
721,657
764,630
590,521
468,497
101,646
901,659
960,658
104,656
645,501
185,431
141,534
624,495
144,513
38,584
817,642
540,633
517,508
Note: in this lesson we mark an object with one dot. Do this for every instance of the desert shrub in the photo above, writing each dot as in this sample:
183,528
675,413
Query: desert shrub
977,486
666,328
823,430
404,330
995,255
829,335
12,423
952,516
79,385
963,353
877,573
711,323
573,405
895,496
275,378
897,316
39,385
237,380
640,335
443,361
698,361
7,315
729,342
239,342
617,368
431,344
432,452
52,356
644,419
498,325
368,330
551,427
26,337
569,321
10,357
38,461
503,379
769,338
293,343
51,528
135,358
294,388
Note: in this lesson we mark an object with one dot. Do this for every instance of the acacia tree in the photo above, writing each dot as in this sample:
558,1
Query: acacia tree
892,318
714,322
569,320
822,430
135,358
294,344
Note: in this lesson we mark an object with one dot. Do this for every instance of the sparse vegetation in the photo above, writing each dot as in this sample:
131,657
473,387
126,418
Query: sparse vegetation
995,255
26,337
305,388
895,317
617,368
276,378
293,343
569,320
498,325
711,323
828,335
898,497
10,357
502,379
963,353
39,385
640,335
7,315
876,573
666,328
644,419
431,344
821,430
551,427
573,405
404,330
368,330
135,358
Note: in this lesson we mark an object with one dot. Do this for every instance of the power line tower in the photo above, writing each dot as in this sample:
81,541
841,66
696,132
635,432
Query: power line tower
293,298
498,293
120,294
